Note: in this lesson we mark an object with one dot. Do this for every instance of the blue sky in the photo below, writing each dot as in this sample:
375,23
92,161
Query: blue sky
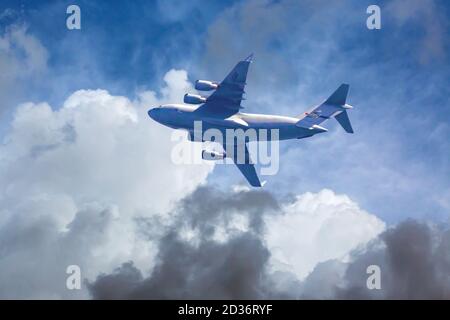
121,45
396,165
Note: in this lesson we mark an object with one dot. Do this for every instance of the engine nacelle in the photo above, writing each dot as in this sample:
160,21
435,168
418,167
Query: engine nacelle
212,155
193,98
205,85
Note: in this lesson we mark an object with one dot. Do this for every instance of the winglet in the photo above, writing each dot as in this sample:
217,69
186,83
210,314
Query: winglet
249,58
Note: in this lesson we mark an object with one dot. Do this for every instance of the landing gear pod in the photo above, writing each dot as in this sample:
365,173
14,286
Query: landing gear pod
212,155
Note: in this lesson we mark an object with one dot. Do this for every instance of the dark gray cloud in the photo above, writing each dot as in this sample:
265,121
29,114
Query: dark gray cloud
207,205
414,258
414,262
35,253
230,269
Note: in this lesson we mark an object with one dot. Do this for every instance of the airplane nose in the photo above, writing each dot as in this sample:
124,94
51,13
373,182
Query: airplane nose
152,113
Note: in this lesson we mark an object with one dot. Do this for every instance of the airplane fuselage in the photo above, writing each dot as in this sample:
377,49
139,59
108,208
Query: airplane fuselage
180,116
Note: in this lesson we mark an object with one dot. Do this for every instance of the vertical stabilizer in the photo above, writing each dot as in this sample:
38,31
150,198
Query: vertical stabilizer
338,97
344,121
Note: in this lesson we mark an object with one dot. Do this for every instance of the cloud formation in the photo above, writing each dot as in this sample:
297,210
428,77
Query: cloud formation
317,227
413,257
224,245
211,249
74,179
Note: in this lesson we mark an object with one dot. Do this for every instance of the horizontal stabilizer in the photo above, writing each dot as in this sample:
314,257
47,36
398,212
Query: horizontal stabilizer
344,121
334,106
339,96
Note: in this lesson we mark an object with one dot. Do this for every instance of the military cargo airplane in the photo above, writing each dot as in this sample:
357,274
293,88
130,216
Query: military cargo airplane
222,111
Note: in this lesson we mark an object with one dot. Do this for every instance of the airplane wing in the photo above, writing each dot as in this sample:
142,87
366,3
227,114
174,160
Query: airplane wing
249,172
226,100
244,164
334,106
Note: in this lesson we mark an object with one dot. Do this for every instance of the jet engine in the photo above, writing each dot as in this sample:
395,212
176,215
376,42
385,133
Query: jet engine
212,155
193,98
205,85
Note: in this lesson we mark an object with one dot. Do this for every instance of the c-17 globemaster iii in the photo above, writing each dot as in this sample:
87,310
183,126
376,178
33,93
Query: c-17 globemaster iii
221,111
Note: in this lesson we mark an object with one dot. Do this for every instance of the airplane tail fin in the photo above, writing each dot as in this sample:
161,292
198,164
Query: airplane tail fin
344,121
335,106
338,99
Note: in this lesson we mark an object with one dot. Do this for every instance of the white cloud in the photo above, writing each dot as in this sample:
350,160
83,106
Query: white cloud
73,180
317,227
